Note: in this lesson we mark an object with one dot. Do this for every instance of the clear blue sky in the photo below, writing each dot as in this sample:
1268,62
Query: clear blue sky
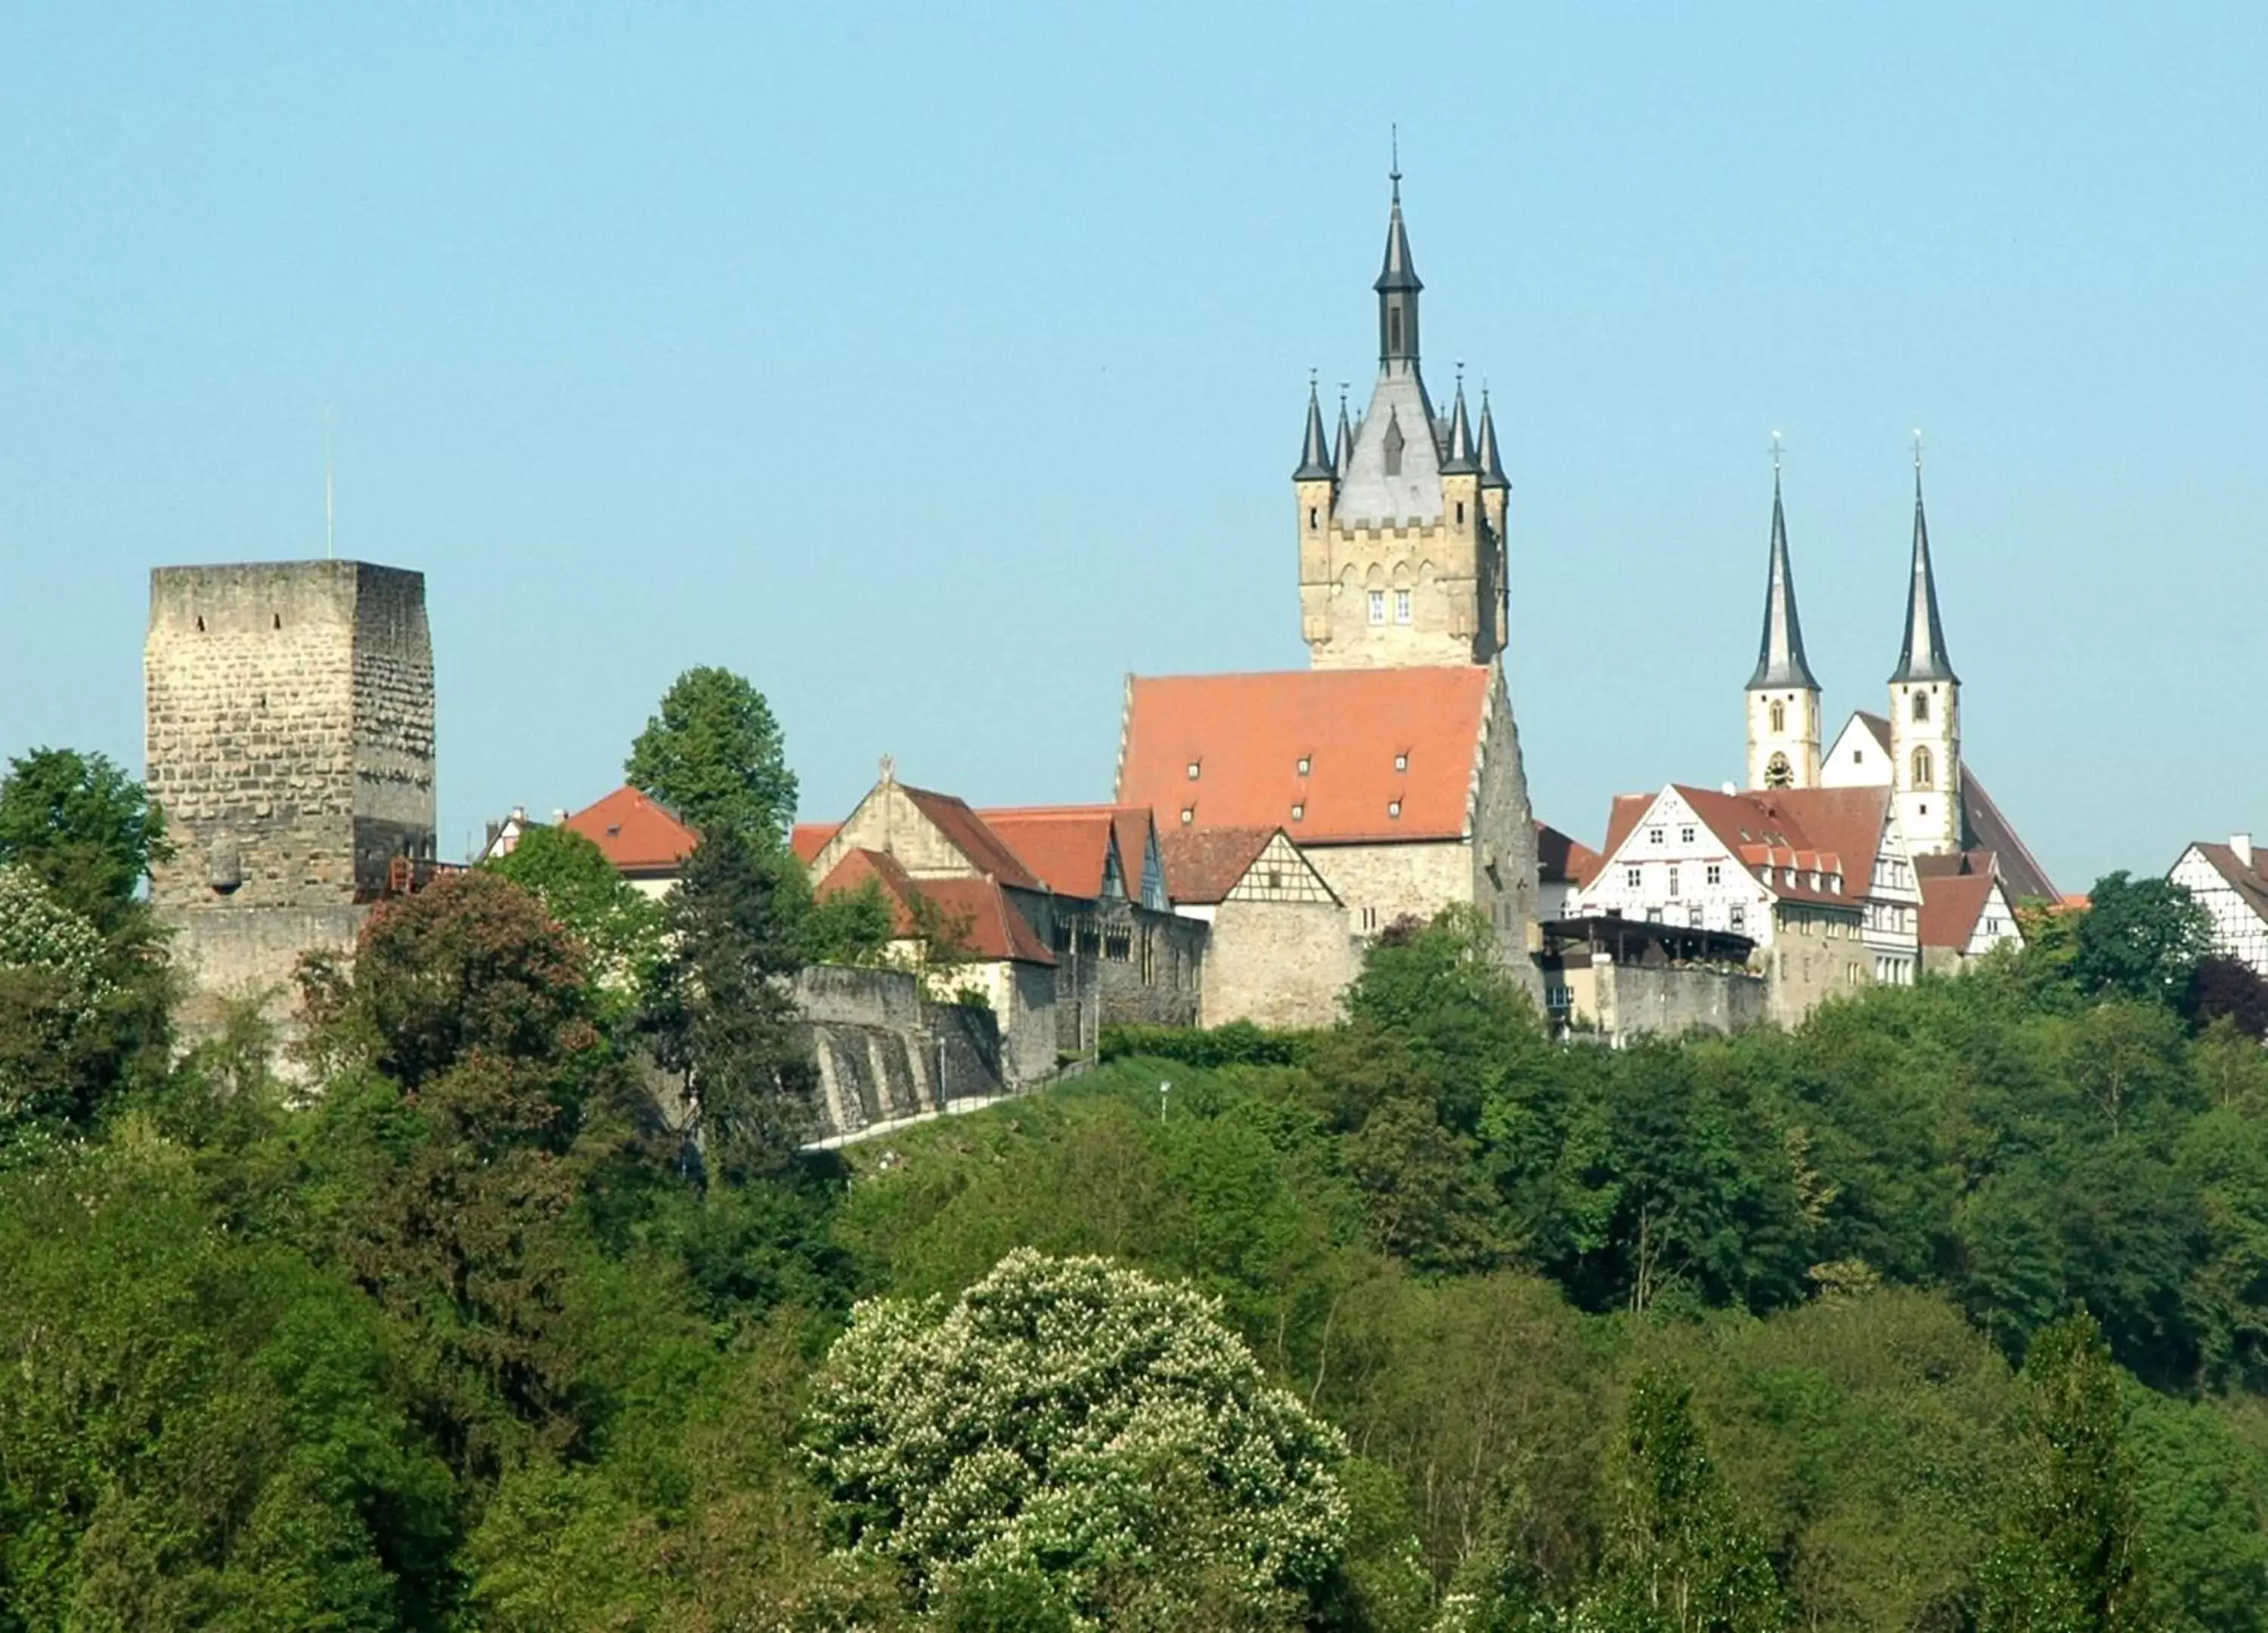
935,367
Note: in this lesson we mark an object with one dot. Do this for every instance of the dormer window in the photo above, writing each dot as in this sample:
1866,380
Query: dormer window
1402,763
1394,807
1303,765
1298,813
1188,815
1194,768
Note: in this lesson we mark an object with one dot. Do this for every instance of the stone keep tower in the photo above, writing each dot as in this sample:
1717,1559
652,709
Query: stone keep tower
1402,524
1783,694
288,736
1926,711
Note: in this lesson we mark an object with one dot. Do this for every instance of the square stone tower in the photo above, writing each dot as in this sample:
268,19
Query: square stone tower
289,739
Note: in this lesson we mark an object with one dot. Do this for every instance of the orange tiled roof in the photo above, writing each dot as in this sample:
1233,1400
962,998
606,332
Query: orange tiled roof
637,834
1202,864
810,838
1391,753
991,928
1065,847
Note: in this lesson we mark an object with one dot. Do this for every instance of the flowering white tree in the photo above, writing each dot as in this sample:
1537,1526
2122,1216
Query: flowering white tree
1073,1419
51,984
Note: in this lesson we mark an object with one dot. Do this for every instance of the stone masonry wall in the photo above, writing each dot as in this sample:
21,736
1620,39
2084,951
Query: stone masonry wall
1633,1000
1278,963
1503,882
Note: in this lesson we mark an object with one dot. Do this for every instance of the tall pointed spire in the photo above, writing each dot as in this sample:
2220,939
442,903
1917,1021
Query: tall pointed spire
1780,661
1491,468
1397,287
1462,460
1343,449
1314,451
1923,657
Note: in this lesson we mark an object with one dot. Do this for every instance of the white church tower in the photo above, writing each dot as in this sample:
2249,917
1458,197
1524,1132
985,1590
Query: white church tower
1783,695
1926,711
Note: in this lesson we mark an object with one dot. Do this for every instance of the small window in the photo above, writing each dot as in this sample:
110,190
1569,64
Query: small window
1402,763
1632,878
1924,770
1299,814
276,620
1394,807
1673,881
1653,836
1693,916
201,623
1303,765
1401,607
1713,874
1275,878
1685,836
1194,766
1779,711
1737,916
1378,607
1314,518
1921,705
1188,815
1858,756
1460,512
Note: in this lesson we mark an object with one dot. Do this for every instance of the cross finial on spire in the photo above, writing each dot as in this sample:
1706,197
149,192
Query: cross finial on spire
1917,448
890,768
1777,450
1394,134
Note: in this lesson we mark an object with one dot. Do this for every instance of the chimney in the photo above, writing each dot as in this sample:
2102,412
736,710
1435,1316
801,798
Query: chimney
2242,843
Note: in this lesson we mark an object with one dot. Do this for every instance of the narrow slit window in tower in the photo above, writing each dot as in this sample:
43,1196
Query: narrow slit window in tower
1921,705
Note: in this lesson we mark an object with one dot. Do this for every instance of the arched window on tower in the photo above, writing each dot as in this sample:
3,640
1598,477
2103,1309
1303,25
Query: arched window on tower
1925,770
1778,716
1921,706
1779,773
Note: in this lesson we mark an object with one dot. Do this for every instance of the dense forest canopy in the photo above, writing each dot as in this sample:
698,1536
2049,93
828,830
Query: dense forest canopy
1947,1310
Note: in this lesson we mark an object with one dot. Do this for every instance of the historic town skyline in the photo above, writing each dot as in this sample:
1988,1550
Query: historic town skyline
938,420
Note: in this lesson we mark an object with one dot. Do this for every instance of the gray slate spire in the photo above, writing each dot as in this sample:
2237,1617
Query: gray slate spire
1315,452
1923,657
1491,468
1343,448
1461,461
1780,662
1397,287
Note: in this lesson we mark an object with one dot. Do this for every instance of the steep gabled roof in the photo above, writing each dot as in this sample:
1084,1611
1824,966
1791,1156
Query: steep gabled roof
1951,904
967,833
1560,859
639,835
2247,879
988,922
1771,838
1247,735
1066,848
1202,864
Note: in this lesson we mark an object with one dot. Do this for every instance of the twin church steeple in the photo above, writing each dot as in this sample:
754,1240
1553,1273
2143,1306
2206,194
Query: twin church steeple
1401,517
1924,723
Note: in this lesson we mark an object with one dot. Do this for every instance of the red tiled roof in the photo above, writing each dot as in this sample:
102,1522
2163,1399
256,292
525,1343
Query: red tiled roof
1065,847
988,922
1560,859
637,834
1808,829
810,838
968,834
1248,734
1951,904
1202,864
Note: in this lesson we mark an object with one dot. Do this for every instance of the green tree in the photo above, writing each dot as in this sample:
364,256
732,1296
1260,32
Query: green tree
852,927
715,755
571,876
53,985
1071,1416
1682,1559
722,1015
2067,1560
88,830
2139,938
